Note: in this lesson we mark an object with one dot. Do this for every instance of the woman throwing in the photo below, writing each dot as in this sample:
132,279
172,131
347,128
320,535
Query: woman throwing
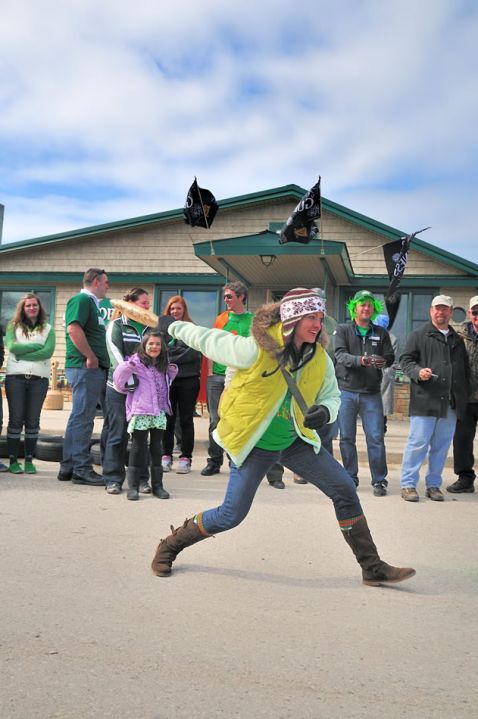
261,423
31,343
184,391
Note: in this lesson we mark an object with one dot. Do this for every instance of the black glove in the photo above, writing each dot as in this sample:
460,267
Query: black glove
378,361
317,416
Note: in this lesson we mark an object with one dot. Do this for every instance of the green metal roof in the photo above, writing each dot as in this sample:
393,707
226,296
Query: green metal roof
292,191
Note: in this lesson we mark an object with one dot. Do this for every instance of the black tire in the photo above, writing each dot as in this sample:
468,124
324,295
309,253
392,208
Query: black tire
50,448
95,450
4,449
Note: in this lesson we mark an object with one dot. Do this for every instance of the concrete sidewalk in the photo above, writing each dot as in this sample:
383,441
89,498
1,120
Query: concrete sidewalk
54,422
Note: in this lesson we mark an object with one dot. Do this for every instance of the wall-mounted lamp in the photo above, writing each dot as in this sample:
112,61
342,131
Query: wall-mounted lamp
268,260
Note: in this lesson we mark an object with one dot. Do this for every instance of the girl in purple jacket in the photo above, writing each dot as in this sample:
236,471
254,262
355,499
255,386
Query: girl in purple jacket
146,408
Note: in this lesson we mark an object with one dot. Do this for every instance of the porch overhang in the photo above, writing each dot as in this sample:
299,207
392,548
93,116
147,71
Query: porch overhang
248,258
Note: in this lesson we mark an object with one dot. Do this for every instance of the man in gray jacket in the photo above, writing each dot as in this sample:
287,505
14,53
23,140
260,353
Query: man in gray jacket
361,350
463,458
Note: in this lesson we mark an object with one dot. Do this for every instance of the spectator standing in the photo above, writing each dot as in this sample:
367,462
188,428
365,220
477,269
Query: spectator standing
146,409
123,337
183,393
463,458
261,423
361,350
235,319
387,388
436,361
3,467
86,365
30,341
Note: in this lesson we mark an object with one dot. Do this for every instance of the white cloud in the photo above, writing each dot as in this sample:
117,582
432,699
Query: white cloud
112,108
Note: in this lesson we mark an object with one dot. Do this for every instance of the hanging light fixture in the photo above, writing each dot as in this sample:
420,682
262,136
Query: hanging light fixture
268,260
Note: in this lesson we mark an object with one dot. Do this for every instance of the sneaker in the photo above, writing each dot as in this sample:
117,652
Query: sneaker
410,494
435,494
210,469
278,484
3,467
184,465
461,485
15,468
113,488
166,462
379,489
30,467
144,488
90,477
299,480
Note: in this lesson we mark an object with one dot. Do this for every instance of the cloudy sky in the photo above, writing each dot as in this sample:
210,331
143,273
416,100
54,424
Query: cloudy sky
108,109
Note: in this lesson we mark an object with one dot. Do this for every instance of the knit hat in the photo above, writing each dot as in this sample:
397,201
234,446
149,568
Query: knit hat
296,304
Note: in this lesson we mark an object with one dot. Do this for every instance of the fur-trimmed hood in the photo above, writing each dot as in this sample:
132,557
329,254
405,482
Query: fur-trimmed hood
266,317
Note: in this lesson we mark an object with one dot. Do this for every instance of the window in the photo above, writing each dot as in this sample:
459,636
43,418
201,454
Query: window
10,298
202,303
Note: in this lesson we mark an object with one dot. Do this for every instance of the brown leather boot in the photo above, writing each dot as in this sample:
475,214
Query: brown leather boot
374,571
169,548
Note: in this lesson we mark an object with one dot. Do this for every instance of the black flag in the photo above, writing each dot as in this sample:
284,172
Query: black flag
396,256
300,227
200,208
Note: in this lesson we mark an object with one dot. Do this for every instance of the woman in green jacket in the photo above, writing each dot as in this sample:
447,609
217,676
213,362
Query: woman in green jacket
283,391
30,341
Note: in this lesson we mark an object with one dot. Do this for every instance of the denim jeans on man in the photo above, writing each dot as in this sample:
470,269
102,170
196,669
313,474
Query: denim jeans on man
370,409
116,441
321,470
432,436
86,387
214,390
25,396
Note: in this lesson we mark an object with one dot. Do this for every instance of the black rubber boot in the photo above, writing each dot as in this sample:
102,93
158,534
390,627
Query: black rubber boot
157,483
169,548
133,476
374,571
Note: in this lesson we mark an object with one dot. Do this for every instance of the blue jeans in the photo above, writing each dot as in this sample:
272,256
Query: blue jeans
214,390
432,436
370,409
86,386
321,470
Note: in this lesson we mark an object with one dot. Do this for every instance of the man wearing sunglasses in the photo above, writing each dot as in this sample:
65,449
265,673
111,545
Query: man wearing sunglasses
235,319
86,365
463,458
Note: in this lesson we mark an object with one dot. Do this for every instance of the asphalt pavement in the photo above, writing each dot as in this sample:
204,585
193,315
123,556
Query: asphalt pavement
268,620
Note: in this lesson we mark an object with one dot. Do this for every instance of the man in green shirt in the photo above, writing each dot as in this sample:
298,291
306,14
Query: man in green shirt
86,365
237,320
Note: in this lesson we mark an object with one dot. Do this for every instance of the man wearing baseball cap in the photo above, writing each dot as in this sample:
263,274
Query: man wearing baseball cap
463,458
436,361
362,349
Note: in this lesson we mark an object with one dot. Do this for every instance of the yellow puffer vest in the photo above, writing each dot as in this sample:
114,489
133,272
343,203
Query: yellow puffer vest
249,404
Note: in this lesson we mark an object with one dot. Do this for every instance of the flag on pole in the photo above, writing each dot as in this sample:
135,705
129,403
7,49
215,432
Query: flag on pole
300,226
396,256
200,208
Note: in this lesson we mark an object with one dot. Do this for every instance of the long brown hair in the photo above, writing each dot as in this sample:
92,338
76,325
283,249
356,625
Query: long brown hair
181,300
20,319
